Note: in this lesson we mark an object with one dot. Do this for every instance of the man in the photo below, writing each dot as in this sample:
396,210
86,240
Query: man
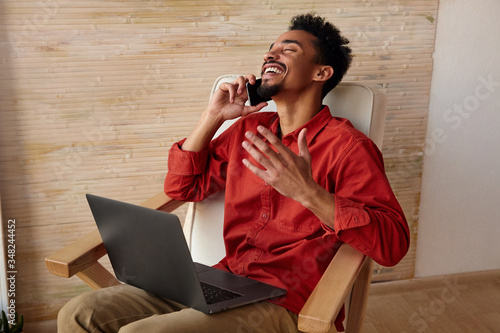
298,183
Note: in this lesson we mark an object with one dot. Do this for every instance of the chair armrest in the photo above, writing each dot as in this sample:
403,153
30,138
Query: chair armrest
84,252
76,256
328,297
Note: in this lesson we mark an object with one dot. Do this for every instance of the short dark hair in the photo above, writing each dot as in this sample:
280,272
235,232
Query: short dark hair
330,45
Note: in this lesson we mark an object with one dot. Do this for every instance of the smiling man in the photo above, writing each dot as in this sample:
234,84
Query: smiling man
298,183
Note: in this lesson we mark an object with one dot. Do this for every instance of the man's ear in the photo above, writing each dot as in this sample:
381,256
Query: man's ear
324,73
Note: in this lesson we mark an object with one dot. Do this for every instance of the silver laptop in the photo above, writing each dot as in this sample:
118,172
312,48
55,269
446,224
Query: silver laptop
147,249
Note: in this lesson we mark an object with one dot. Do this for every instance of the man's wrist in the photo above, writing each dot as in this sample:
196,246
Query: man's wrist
203,132
311,197
320,202
211,119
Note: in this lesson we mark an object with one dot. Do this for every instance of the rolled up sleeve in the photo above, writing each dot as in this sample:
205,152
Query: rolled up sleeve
186,163
367,214
194,176
349,214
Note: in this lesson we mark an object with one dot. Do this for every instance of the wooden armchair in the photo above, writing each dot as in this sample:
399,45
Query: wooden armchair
347,278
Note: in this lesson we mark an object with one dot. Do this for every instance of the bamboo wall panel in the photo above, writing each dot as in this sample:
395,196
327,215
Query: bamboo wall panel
93,94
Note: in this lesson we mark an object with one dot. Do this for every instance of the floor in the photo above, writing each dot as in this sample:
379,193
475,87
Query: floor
463,303
456,303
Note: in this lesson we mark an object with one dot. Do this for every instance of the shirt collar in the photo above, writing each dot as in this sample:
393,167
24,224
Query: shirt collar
314,126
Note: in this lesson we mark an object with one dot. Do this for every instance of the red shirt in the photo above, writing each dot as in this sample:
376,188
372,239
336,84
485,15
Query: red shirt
274,239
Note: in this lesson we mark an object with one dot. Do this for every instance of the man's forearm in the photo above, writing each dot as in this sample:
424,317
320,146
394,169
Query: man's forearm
202,133
322,203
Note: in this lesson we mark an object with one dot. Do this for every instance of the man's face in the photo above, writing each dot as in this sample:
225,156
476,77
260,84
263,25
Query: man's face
289,64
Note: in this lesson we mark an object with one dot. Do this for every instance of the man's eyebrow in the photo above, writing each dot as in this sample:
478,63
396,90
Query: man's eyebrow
291,41
287,41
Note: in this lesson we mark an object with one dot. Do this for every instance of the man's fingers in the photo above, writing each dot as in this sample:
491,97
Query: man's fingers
235,88
241,82
276,164
229,88
258,154
257,171
274,141
238,88
250,78
261,145
252,109
302,144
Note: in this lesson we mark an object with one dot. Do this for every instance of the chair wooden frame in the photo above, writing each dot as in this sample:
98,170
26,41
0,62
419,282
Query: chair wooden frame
348,269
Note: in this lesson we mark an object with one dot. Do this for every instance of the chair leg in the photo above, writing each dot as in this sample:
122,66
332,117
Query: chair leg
359,298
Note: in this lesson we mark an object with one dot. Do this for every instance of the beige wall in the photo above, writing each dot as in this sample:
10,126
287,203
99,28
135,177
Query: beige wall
93,93
460,212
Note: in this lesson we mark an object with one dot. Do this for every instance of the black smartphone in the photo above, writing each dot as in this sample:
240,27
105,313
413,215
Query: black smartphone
253,95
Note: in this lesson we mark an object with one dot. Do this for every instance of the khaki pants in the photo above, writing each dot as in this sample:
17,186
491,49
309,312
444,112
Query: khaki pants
127,309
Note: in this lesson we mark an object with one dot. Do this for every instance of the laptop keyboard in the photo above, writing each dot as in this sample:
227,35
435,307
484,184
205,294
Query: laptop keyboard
215,294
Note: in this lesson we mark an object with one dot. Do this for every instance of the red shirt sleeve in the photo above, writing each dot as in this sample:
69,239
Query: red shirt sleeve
367,214
194,176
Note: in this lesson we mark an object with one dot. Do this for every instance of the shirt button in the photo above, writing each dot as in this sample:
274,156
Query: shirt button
267,184
264,216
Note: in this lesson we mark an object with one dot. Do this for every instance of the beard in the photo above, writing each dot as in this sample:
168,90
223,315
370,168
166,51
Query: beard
267,91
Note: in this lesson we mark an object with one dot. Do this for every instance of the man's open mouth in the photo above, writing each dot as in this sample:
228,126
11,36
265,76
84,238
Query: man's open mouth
273,68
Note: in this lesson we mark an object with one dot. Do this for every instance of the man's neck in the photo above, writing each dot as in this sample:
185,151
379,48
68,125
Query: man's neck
295,112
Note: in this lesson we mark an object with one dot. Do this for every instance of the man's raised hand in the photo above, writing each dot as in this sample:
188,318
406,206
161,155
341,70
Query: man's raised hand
228,102
289,173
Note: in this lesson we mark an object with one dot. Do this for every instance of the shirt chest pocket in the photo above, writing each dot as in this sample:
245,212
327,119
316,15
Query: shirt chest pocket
293,217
